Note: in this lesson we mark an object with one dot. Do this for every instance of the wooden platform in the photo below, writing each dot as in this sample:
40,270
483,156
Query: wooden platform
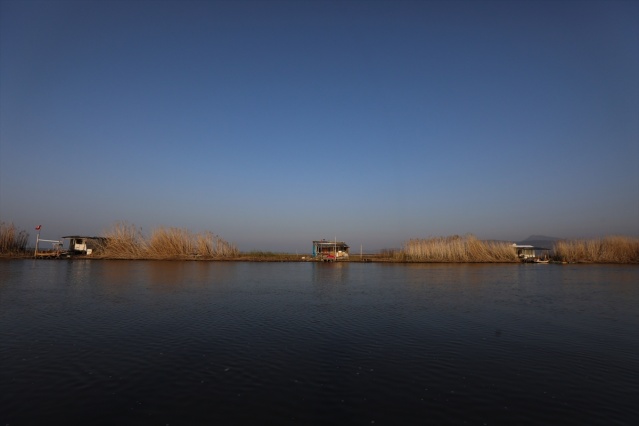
48,254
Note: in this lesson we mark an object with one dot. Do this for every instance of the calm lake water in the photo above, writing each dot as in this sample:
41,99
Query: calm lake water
127,342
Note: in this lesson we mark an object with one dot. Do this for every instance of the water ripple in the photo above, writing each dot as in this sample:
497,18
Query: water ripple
307,343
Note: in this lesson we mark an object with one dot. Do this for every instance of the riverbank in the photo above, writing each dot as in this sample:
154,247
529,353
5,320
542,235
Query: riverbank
287,257
241,257
126,242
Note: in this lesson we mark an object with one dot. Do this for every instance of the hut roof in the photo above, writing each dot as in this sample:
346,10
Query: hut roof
69,237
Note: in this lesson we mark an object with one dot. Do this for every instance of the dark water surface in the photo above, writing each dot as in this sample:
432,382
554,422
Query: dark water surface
126,342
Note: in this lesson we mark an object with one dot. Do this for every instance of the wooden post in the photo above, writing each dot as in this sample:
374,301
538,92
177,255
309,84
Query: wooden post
37,241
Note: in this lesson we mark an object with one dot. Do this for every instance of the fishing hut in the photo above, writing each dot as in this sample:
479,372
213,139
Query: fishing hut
528,253
330,250
84,245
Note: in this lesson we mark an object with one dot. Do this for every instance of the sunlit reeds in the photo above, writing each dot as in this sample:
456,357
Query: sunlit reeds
12,240
170,242
612,249
125,241
210,245
456,249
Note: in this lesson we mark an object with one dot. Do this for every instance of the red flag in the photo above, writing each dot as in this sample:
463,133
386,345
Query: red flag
38,227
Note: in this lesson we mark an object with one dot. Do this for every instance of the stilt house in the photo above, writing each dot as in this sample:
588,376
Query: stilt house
330,250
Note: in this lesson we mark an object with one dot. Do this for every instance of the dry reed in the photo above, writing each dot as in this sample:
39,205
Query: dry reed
170,242
457,249
125,241
12,240
211,245
611,249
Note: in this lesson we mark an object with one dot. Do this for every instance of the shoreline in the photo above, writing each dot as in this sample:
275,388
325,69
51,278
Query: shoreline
291,258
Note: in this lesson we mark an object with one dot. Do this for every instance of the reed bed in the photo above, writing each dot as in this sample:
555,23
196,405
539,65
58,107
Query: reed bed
209,244
171,242
125,241
611,249
456,249
12,240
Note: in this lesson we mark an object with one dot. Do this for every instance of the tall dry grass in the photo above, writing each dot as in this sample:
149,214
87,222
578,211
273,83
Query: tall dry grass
457,249
125,241
170,242
611,249
209,244
12,240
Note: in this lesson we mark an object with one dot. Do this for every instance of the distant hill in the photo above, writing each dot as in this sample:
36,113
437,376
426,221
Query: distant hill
540,241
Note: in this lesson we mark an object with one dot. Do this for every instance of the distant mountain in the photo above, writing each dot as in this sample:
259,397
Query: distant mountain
540,241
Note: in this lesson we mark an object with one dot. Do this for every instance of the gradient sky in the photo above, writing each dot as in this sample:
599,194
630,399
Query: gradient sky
274,123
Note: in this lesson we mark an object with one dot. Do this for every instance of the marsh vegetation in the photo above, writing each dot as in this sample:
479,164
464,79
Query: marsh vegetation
456,249
611,249
125,241
12,239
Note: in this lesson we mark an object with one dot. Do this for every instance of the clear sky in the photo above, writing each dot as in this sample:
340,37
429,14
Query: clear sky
274,123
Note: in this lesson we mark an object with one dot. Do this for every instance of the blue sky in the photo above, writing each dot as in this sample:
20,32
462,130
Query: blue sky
274,123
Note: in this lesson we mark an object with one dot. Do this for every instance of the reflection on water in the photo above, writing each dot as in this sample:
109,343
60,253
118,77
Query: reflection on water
330,272
224,342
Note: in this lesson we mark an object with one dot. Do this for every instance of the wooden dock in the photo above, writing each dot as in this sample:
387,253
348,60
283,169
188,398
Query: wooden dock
47,254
